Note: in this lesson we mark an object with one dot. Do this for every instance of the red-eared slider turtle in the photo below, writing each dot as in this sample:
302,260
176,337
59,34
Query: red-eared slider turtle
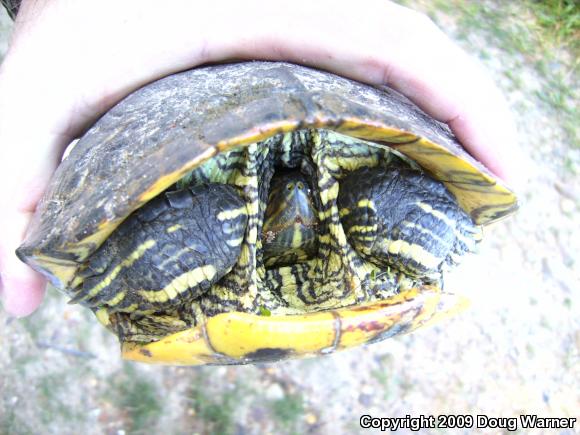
259,211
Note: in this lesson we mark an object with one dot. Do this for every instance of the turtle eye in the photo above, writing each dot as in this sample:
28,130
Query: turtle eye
290,186
299,185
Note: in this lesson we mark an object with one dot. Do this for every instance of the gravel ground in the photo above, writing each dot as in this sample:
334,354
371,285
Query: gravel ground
516,351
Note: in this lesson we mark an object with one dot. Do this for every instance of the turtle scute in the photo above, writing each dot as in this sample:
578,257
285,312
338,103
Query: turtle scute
169,251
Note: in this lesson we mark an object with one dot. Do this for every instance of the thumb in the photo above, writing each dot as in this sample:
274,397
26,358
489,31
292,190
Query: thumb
21,288
27,161
28,158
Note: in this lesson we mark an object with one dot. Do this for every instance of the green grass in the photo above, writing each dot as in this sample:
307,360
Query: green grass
544,34
10,422
288,411
381,377
385,376
560,20
570,166
138,397
567,303
51,397
529,27
217,412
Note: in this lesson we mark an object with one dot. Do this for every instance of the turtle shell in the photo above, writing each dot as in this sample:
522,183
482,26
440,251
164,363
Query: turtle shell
158,134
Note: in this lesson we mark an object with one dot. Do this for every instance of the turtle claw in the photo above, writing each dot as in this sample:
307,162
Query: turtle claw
79,298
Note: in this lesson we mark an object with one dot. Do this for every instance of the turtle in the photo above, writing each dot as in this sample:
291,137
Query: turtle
258,211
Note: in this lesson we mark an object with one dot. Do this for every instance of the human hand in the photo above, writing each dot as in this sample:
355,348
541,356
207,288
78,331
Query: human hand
70,61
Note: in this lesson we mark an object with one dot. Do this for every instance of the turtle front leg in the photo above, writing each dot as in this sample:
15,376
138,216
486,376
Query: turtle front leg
170,251
401,218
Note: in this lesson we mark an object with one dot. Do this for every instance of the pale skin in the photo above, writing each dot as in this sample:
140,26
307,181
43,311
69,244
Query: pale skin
71,60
